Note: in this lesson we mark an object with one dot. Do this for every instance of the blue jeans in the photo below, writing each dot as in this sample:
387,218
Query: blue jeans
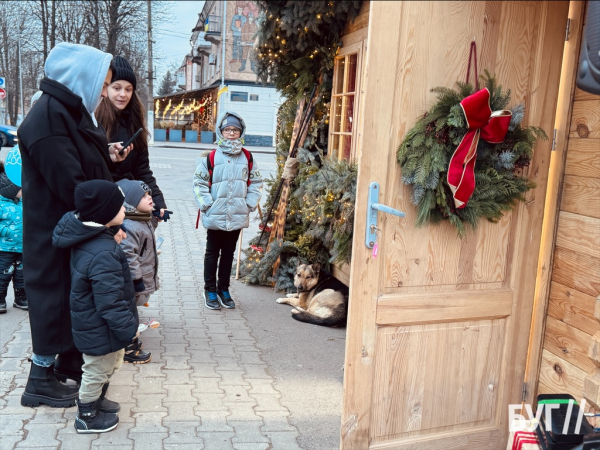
43,360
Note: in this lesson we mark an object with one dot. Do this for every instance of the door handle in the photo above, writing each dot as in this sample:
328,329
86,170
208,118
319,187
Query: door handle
372,208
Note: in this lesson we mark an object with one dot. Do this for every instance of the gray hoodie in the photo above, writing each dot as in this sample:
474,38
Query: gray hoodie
80,68
227,204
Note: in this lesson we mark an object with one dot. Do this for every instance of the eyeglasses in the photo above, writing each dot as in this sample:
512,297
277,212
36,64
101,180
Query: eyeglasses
230,131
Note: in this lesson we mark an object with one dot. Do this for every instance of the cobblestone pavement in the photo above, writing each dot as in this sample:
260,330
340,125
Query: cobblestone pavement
207,386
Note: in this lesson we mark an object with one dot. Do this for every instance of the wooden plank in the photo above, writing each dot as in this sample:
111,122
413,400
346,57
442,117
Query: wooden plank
577,271
579,233
582,95
551,208
342,272
560,376
581,196
365,272
572,307
353,38
426,398
568,343
360,21
583,157
486,438
442,307
586,117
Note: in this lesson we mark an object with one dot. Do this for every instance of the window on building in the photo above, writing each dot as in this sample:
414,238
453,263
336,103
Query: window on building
344,102
239,96
253,97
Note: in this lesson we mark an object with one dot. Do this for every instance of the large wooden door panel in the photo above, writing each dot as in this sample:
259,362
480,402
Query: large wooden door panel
438,326
434,368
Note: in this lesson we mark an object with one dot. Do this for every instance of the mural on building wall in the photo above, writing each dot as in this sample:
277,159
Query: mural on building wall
243,27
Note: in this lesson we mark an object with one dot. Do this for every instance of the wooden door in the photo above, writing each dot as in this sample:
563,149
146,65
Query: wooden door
438,326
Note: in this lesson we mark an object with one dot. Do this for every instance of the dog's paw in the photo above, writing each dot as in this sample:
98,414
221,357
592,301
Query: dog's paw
295,311
300,309
291,295
281,300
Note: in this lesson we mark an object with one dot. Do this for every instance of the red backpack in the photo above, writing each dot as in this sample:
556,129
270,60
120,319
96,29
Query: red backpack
210,163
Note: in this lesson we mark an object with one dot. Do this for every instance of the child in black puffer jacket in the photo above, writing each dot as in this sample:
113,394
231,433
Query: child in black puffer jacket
103,312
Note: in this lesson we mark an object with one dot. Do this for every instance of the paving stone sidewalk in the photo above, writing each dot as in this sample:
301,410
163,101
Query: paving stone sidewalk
206,387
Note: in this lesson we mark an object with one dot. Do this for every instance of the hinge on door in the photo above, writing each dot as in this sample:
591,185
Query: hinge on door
568,29
554,140
524,394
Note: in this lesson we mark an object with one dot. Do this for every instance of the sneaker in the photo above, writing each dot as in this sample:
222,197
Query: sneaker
90,420
225,299
2,307
21,300
135,355
211,301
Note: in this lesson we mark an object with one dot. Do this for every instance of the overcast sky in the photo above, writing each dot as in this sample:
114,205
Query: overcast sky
173,37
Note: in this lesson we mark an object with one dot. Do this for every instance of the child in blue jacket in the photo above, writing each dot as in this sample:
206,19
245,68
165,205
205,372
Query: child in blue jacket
11,243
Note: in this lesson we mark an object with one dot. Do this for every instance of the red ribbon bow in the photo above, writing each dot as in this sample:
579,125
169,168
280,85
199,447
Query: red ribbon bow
482,122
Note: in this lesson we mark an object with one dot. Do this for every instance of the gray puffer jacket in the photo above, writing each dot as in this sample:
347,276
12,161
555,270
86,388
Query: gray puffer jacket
140,249
227,204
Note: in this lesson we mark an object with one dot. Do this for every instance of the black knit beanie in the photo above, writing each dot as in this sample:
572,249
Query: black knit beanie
98,201
7,188
122,70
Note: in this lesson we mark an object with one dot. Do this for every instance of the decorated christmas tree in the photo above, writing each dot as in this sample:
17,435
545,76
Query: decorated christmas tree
297,44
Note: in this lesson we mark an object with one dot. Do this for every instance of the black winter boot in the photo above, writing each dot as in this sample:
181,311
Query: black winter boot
21,299
105,405
43,387
69,365
90,420
2,302
135,355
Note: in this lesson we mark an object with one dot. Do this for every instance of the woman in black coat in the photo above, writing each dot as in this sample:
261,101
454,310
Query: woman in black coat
122,114
61,145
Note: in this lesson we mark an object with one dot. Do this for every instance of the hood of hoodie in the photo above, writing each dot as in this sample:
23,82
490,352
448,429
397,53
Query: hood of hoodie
80,68
71,231
225,145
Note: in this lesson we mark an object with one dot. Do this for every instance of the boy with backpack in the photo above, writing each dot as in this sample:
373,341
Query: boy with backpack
104,318
227,188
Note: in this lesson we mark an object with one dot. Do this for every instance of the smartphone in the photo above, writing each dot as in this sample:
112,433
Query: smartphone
130,141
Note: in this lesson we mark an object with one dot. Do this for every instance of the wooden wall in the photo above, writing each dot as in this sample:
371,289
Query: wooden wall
575,284
355,32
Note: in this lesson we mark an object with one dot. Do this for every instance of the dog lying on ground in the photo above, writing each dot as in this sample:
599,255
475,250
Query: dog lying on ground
322,299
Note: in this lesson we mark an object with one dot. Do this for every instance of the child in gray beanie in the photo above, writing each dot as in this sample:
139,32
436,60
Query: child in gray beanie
140,249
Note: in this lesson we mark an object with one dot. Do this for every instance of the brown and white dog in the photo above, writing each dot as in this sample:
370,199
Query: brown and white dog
322,299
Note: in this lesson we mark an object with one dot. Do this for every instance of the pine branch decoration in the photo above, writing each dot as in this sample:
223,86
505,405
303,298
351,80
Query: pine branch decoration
426,150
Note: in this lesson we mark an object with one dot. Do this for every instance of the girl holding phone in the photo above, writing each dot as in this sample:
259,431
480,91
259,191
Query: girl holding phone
122,115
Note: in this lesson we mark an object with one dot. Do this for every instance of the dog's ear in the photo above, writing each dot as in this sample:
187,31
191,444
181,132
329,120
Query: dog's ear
316,268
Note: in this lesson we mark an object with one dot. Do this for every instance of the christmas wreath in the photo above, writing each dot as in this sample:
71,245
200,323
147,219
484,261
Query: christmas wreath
464,157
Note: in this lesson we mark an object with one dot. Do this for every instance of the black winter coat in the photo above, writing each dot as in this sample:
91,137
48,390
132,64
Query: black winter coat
137,164
60,148
103,312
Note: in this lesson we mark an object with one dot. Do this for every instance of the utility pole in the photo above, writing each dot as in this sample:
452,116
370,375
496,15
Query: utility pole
150,78
20,82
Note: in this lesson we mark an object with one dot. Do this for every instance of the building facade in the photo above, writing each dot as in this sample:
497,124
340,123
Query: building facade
222,64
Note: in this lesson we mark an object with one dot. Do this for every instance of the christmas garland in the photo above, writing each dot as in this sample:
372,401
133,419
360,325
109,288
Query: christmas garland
428,149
